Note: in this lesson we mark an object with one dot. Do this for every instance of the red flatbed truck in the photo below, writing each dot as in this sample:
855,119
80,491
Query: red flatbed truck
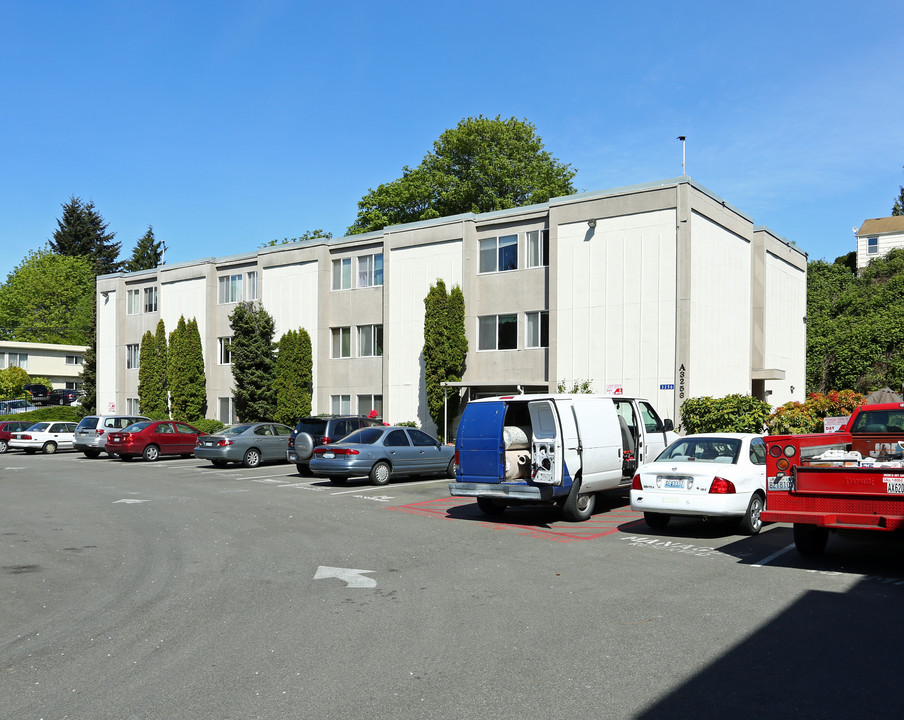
848,481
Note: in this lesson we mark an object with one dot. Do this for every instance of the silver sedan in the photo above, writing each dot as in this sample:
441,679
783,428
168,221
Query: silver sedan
382,453
247,443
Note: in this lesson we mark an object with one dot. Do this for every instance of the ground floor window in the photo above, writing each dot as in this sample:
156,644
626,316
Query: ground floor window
132,406
226,410
340,404
370,403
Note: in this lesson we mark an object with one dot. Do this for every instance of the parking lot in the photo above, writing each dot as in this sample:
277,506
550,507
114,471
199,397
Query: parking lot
178,590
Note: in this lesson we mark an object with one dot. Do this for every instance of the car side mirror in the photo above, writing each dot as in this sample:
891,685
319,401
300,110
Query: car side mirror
667,425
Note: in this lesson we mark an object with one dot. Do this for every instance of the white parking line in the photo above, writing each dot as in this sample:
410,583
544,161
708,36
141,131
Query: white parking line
383,487
767,560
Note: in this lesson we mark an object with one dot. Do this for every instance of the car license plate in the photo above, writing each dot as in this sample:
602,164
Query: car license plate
329,455
209,444
674,483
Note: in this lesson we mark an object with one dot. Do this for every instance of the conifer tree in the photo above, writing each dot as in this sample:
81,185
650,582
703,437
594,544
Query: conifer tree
146,254
187,382
445,349
292,377
83,232
151,381
252,362
160,368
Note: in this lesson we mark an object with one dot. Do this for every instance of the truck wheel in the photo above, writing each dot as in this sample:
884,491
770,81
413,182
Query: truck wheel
657,521
810,540
489,506
578,507
751,523
379,473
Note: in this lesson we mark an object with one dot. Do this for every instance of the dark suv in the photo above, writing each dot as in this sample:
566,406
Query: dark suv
321,430
38,393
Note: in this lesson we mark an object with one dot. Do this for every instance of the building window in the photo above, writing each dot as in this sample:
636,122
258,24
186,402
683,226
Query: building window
342,274
538,248
537,329
498,254
133,302
341,346
17,360
132,406
251,277
370,340
341,404
73,360
132,354
497,332
226,410
230,289
71,385
370,403
150,299
370,270
872,245
224,354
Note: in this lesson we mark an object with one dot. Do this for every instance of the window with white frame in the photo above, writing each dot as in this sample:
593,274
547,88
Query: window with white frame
537,329
370,403
133,352
132,406
229,289
251,290
342,274
370,340
498,254
537,248
370,270
341,342
226,410
17,360
497,332
150,299
71,385
872,245
73,360
340,404
133,302
224,351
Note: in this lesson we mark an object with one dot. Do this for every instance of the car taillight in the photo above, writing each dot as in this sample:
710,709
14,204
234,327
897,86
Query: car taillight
99,432
325,440
635,483
337,451
721,486
457,464
25,437
225,443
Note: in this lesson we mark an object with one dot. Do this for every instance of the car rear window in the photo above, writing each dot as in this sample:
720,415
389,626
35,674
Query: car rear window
88,423
137,427
365,436
312,426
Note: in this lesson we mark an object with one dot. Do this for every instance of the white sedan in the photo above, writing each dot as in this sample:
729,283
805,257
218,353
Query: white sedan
712,475
48,437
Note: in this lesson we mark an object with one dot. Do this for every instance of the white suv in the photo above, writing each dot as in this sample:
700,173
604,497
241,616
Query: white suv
91,433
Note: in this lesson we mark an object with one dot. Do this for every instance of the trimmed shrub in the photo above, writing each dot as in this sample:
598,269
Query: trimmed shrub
732,413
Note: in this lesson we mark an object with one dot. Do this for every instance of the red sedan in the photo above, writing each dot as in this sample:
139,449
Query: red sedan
153,438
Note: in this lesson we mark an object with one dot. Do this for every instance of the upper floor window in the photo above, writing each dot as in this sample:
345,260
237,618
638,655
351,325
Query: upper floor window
497,332
230,289
150,299
132,356
499,253
341,345
872,245
251,290
537,329
17,360
342,274
73,360
370,270
224,354
370,340
133,302
537,248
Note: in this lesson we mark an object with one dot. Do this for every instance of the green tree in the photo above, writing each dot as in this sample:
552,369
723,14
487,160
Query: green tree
88,375
732,413
82,232
147,253
292,377
186,379
12,382
160,405
152,386
252,362
48,298
481,165
445,350
307,235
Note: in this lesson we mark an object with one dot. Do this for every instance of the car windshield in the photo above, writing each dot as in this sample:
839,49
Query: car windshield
136,427
233,430
702,449
364,436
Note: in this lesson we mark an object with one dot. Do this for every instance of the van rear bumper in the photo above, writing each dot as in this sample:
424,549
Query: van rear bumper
501,491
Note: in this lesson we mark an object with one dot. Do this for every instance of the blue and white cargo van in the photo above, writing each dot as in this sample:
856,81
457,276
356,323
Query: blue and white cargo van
559,449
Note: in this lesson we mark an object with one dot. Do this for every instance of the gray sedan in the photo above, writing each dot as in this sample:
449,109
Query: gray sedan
247,443
381,453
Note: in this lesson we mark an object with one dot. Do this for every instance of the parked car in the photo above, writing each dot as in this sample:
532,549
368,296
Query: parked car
37,392
321,430
712,475
62,396
247,443
7,428
14,407
153,438
48,437
91,433
383,452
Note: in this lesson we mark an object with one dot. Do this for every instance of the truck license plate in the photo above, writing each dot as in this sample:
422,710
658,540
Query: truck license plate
895,487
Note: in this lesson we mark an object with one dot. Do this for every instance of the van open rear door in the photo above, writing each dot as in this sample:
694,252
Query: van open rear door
546,447
481,457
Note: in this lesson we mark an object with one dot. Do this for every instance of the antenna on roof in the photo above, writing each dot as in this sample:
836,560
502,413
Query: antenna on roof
682,138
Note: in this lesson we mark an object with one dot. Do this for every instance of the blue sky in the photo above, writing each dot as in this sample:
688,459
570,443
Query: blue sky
228,124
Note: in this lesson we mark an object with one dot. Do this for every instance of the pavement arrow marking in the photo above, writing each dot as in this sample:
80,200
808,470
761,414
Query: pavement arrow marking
351,577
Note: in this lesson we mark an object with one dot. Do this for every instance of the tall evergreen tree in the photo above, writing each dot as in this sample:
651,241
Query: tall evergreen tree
151,391
187,382
83,232
161,404
445,349
88,375
898,207
146,254
252,362
292,377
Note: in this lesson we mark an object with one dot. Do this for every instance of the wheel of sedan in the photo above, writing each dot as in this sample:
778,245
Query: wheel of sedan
657,521
61,401
751,522
489,506
578,507
50,447
151,453
4,446
252,458
304,470
379,473
810,540
91,453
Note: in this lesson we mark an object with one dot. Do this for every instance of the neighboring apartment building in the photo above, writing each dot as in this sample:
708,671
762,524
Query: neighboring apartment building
661,290
876,237
61,364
